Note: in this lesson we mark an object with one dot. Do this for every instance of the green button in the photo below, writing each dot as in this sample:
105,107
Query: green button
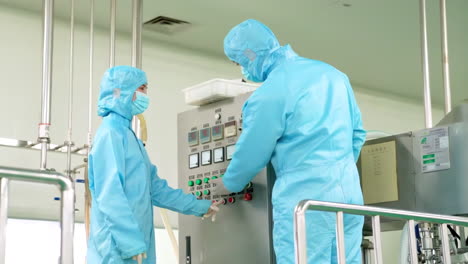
429,161
190,183
198,193
214,177
222,175
429,156
206,180
199,181
206,192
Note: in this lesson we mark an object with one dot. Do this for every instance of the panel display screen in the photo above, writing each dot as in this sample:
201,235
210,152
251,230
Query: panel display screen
230,129
206,157
230,151
218,155
193,138
218,132
205,135
194,161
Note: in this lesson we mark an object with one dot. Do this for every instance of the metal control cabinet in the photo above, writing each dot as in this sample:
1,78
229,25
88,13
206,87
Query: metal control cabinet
431,166
242,232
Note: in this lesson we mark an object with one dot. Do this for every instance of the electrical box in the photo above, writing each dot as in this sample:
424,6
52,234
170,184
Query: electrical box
242,232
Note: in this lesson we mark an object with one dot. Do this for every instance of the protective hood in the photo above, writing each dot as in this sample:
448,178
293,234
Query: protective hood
117,88
255,47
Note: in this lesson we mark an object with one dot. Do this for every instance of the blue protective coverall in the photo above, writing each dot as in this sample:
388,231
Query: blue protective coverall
305,120
124,184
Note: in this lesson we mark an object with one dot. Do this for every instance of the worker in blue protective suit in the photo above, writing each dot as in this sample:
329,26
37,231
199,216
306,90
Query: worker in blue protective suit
124,185
305,120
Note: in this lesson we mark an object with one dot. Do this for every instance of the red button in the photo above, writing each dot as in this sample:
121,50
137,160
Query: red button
248,197
232,200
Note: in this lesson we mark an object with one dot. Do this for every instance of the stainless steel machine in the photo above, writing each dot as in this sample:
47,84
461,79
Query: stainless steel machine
243,231
426,171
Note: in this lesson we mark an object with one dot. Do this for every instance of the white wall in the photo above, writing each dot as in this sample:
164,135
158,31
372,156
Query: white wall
169,70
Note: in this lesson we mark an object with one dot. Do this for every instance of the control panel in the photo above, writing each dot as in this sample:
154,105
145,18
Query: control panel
207,141
212,146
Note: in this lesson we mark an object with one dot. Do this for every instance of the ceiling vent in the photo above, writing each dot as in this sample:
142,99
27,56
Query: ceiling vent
166,25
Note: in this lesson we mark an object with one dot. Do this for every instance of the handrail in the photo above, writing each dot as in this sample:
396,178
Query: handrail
375,212
67,216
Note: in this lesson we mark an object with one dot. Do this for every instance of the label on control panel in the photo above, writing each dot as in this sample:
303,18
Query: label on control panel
435,149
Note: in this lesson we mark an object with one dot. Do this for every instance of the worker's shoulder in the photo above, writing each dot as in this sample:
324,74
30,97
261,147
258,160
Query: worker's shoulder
312,68
107,129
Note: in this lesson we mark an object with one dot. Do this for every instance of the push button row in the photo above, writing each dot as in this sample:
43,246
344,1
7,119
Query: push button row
199,181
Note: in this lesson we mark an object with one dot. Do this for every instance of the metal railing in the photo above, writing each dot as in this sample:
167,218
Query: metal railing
300,234
67,216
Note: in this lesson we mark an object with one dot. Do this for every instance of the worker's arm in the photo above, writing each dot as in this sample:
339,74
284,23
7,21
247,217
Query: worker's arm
175,199
262,126
359,134
108,165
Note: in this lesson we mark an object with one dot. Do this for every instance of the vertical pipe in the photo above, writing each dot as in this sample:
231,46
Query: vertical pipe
137,7
44,146
300,245
91,70
70,84
90,115
3,217
445,243
47,50
113,11
462,234
425,65
445,57
67,222
377,239
137,24
70,93
340,240
412,242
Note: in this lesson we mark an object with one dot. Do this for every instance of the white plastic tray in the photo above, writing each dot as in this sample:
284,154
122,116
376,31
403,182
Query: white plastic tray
216,90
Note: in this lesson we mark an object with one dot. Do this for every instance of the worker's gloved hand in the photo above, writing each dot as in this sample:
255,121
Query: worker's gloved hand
139,258
214,209
217,187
